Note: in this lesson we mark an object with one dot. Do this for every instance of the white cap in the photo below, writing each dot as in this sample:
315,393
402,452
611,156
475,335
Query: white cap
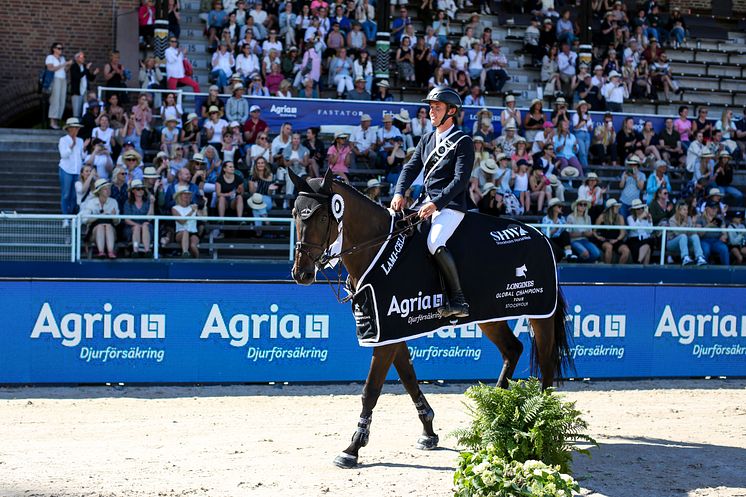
254,107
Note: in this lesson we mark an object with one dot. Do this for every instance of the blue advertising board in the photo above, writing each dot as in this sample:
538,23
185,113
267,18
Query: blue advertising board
305,113
193,332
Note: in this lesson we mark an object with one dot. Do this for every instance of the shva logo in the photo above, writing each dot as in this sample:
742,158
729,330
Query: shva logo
689,326
510,234
597,326
73,327
406,306
241,327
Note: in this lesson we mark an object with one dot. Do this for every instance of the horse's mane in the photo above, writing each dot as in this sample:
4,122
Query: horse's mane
316,185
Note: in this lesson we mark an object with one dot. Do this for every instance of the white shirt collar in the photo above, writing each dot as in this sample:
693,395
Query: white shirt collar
441,136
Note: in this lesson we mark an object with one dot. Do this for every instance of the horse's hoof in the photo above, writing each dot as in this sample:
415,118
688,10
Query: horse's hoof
427,442
345,461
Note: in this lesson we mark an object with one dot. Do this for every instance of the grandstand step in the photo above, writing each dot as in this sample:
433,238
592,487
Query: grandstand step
16,155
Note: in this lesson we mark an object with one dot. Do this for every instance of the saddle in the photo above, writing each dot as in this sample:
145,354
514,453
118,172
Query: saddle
507,270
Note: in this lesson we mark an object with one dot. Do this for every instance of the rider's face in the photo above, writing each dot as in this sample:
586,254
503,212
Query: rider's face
437,111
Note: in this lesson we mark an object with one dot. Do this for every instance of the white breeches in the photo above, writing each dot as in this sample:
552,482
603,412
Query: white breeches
444,223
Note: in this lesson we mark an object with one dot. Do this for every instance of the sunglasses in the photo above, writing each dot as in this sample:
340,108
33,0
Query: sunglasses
59,47
130,160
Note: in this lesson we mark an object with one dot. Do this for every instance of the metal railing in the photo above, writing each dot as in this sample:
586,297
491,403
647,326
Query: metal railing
178,93
55,237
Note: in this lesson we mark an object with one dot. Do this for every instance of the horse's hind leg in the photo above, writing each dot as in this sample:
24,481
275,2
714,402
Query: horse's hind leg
403,364
379,365
545,347
510,347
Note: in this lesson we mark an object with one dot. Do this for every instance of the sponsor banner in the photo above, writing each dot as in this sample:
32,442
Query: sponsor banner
305,113
92,332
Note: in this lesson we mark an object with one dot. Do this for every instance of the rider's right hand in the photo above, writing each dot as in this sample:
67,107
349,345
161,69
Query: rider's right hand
397,203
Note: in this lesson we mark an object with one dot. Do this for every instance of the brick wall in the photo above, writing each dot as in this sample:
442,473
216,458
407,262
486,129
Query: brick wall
27,30
698,5
739,6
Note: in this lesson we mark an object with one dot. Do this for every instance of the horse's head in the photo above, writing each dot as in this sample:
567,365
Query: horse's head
315,227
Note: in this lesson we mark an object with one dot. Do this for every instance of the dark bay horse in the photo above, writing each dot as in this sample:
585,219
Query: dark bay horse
365,221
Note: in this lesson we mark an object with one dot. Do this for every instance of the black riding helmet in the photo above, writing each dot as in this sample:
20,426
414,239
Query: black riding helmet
448,96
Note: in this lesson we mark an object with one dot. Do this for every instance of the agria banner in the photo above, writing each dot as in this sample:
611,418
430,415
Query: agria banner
90,332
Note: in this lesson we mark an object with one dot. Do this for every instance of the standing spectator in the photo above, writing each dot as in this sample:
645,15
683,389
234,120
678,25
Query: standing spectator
316,149
559,237
398,25
295,157
628,141
632,184
669,145
566,61
737,240
340,70
146,21
288,20
566,146
510,113
580,238
614,92
80,79
684,241
102,230
724,178
71,162
405,60
550,79
593,193
534,121
186,230
683,126
659,179
215,126
582,123
661,208
56,63
116,76
640,240
701,123
237,107
175,74
174,18
138,231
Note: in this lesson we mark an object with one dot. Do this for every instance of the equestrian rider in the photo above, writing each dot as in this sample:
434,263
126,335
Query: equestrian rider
447,156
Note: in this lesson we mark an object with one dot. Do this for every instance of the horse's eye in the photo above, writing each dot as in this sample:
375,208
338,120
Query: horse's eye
323,218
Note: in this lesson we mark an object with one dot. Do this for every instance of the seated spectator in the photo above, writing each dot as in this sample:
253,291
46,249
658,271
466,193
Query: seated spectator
628,141
119,186
214,127
580,238
705,169
316,148
340,156
359,92
382,93
697,148
171,109
99,158
521,153
491,202
281,141
566,147
531,41
538,186
481,175
724,178
566,62
237,107
510,112
216,19
640,241
661,76
116,76
521,186
396,160
591,191
340,72
683,126
534,121
84,184
105,133
726,125
296,158
102,230
146,21
232,143
363,142
169,136
274,79
550,78
262,182
138,231
308,90
504,178
420,125
132,166
222,64
701,123
365,14
737,240
713,242
670,147
541,139
582,123
661,208
175,73
650,142
632,184
558,237
261,20
186,230
560,113
659,179
506,142
612,240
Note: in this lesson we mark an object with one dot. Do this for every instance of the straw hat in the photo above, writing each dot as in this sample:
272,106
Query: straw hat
714,192
570,172
136,183
724,153
171,120
233,124
411,150
402,116
359,78
511,125
100,184
637,204
72,122
478,138
341,134
632,159
582,102
489,166
150,172
560,101
198,157
373,183
553,202
365,117
660,163
213,108
501,156
256,201
488,187
591,176
388,118
611,203
509,98
132,154
237,86
384,83
181,189
554,180
580,201
614,74
192,115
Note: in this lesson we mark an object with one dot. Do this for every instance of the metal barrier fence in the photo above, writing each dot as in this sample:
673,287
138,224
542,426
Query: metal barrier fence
50,237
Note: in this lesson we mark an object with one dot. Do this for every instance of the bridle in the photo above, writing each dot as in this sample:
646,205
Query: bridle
403,225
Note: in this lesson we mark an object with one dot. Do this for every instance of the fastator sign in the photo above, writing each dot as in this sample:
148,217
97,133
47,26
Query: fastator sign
142,332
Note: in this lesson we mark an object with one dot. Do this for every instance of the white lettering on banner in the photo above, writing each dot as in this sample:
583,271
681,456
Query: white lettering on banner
73,327
690,326
284,110
258,354
717,350
338,112
398,246
454,352
241,327
406,306
614,325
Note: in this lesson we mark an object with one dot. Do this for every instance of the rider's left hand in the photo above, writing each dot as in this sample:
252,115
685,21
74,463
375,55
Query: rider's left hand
427,210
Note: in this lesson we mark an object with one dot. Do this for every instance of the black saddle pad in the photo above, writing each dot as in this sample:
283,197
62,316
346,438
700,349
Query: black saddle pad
507,270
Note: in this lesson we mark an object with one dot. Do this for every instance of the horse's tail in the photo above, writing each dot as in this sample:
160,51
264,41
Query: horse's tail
562,360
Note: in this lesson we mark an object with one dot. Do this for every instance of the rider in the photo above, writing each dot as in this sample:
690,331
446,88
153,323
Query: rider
447,155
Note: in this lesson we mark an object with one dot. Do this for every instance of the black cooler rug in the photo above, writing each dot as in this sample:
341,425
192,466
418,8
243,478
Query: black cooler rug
507,270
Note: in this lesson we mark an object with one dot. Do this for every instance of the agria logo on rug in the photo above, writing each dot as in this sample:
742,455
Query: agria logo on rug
73,327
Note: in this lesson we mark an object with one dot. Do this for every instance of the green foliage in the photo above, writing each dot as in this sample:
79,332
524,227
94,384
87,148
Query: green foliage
485,474
524,423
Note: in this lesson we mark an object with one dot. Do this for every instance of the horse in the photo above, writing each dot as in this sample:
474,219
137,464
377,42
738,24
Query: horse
316,228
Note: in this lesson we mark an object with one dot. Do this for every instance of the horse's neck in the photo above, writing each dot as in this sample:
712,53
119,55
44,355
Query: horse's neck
364,222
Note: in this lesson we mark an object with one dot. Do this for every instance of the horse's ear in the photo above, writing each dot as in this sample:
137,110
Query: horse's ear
326,186
300,183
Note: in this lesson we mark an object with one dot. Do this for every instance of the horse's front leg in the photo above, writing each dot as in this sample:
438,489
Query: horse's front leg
379,366
403,364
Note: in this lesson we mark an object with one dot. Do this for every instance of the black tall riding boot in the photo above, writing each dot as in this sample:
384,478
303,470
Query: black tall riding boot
456,304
